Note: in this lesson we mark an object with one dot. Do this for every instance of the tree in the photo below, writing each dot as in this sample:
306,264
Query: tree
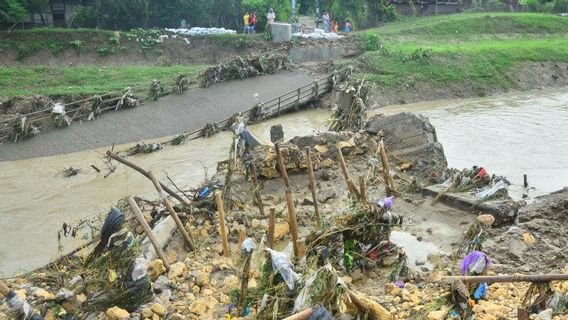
146,4
12,11
36,6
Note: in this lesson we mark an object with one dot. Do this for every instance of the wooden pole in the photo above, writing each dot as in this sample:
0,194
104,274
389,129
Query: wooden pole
145,173
313,185
257,189
187,236
508,278
222,229
271,228
303,315
350,184
374,310
391,187
292,221
363,188
148,231
247,257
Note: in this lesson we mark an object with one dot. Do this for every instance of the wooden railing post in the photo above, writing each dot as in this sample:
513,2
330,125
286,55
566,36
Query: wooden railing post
279,102
298,99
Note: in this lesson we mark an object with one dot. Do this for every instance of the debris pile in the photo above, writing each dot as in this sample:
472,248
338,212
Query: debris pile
241,68
198,31
350,113
318,34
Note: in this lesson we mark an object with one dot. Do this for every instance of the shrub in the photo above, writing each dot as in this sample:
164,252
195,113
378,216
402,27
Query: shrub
56,48
371,41
77,45
105,51
560,6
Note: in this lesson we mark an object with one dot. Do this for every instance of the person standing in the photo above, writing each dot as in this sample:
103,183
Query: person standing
252,23
271,16
347,26
246,22
326,20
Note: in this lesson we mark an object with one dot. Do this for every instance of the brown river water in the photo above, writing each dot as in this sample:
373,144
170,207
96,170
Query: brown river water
510,135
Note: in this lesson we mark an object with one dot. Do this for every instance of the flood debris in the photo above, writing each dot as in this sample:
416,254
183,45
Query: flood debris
241,68
213,252
350,113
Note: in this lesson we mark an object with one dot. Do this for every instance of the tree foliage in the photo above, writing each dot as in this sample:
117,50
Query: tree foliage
12,11
362,13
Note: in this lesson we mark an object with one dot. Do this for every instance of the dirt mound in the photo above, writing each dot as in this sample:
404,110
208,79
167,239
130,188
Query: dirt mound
537,244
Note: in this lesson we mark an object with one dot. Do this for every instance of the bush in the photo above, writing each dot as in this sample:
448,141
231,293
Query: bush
84,17
105,51
560,6
28,49
56,48
371,41
77,45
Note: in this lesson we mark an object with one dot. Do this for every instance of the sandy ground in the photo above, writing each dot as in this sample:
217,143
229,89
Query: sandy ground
171,115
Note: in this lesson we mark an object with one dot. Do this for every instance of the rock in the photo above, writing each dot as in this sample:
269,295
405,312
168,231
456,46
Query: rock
21,293
204,307
158,309
486,219
545,315
528,239
75,280
255,223
161,284
229,283
115,313
276,133
201,278
307,202
155,269
419,262
176,316
49,315
43,294
437,315
176,270
147,313
280,230
321,149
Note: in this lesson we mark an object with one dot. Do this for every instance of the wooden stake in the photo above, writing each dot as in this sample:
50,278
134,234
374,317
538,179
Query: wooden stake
391,187
313,185
271,228
363,188
145,173
247,257
242,237
148,231
289,202
350,184
187,236
222,229
303,315
257,189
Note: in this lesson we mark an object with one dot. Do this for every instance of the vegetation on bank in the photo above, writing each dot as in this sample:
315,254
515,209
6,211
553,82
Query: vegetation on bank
479,50
86,80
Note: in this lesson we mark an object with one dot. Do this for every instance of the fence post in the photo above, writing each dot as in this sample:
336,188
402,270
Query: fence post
298,100
279,99
316,90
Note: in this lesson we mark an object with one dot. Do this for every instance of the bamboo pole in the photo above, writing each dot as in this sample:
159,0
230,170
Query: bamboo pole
223,230
271,227
303,315
292,221
373,310
148,231
257,189
313,185
350,184
509,278
391,187
145,173
363,188
187,236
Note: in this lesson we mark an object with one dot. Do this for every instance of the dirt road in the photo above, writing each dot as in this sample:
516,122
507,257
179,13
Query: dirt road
169,116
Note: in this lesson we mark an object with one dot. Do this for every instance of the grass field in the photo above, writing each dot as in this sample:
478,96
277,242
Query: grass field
16,81
478,49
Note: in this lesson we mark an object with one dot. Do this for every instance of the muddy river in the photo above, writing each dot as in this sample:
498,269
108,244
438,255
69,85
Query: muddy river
510,135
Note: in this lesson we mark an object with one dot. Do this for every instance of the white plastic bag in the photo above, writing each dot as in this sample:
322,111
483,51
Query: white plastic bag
489,191
281,264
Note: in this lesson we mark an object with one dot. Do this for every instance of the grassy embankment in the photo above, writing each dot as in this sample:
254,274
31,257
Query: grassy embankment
85,80
478,50
90,79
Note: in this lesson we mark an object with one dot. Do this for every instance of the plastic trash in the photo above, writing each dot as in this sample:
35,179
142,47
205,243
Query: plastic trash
481,291
140,269
248,245
320,313
204,193
489,191
281,264
475,263
58,108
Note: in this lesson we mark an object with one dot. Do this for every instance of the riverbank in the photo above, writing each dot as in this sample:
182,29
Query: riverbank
205,283
464,55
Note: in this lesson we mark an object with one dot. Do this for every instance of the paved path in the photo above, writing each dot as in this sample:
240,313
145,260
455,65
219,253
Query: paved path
171,115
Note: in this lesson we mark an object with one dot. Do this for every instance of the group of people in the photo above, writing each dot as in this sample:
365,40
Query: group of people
330,25
250,20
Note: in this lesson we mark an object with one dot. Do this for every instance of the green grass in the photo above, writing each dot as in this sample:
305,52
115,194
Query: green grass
479,50
88,80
